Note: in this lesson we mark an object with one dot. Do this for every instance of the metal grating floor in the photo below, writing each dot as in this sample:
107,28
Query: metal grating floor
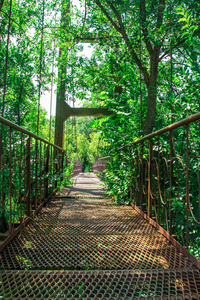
152,284
85,247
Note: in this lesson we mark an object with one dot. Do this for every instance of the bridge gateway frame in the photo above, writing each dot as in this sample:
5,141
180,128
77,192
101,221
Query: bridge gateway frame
64,111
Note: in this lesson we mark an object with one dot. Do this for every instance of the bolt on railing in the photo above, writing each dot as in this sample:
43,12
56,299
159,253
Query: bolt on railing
30,170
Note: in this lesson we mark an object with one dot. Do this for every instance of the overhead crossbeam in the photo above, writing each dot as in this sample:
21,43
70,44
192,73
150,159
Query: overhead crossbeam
64,111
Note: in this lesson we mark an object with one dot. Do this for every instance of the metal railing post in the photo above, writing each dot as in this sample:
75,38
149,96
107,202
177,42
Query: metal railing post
159,179
141,176
46,172
10,177
171,181
150,179
28,177
62,165
187,187
36,173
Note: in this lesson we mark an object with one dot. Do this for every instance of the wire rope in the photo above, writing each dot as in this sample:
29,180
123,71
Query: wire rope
51,97
40,71
140,77
5,79
171,64
6,62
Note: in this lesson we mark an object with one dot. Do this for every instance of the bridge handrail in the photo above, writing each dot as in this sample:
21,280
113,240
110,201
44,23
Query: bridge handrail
102,158
23,130
162,175
100,164
31,169
170,127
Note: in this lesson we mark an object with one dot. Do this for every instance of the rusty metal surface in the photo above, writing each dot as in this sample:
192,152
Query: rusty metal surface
100,165
90,248
25,131
178,124
169,237
29,171
161,172
77,168
151,284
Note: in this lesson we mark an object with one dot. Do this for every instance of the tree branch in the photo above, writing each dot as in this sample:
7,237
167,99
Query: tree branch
107,15
84,19
95,38
143,24
173,47
122,31
1,4
116,78
161,9
116,15
11,19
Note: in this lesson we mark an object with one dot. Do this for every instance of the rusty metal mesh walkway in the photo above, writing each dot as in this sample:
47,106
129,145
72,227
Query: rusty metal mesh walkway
81,246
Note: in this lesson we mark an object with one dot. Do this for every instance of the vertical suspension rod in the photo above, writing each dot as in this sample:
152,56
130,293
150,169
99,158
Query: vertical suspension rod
140,79
40,74
5,79
6,62
52,70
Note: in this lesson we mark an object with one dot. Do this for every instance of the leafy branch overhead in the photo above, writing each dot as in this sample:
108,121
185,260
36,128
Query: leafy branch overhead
148,30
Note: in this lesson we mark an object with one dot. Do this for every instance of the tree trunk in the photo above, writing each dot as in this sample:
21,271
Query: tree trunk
152,93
